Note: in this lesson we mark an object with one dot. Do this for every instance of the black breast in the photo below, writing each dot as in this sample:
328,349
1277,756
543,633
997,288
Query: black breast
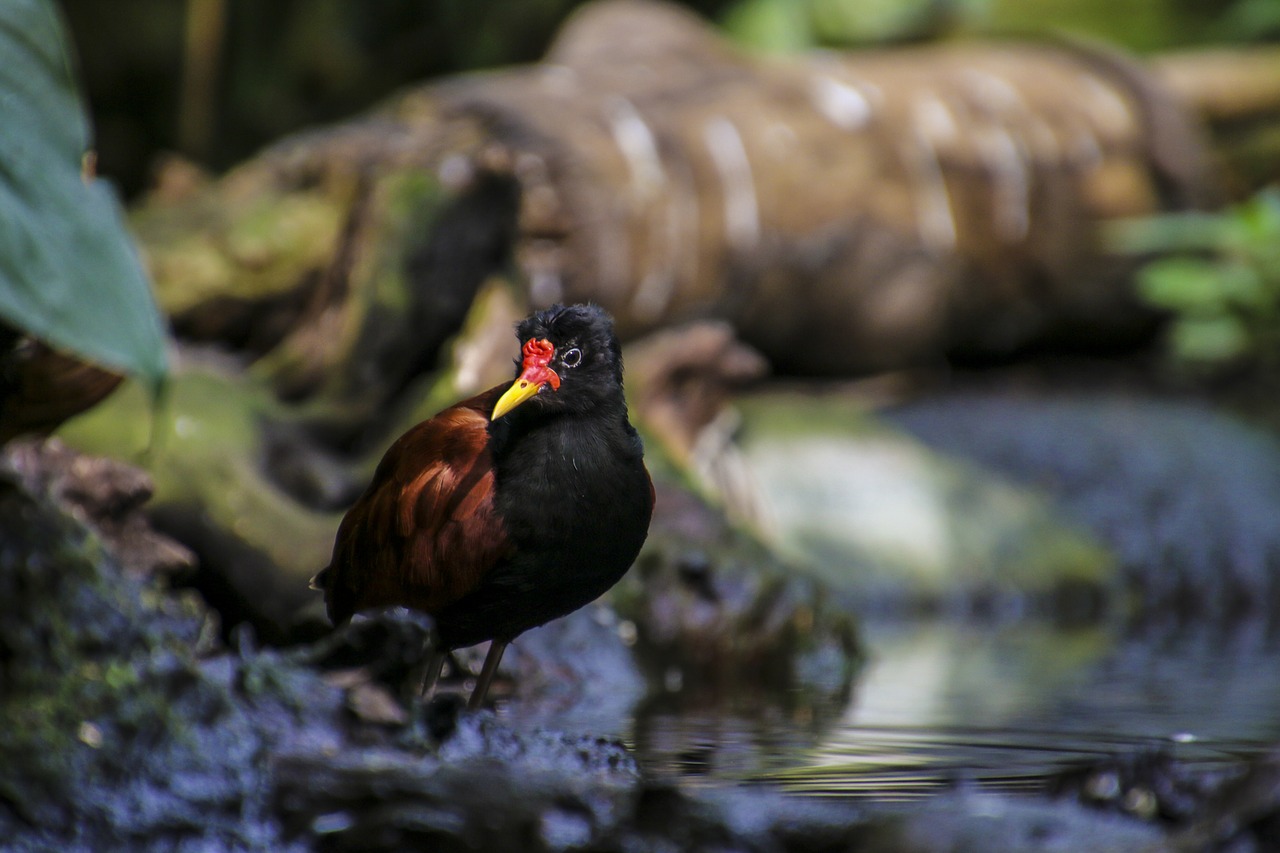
576,500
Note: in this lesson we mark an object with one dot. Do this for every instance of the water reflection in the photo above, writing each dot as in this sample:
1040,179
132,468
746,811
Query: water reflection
737,740
941,704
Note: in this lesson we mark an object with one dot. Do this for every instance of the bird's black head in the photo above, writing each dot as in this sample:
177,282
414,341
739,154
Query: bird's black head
571,361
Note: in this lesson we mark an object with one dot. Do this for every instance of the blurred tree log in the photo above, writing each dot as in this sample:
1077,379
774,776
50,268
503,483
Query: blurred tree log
845,213
1237,92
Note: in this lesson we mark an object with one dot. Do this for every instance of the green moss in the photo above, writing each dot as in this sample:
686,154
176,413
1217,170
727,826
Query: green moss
875,513
207,453
380,234
114,735
219,244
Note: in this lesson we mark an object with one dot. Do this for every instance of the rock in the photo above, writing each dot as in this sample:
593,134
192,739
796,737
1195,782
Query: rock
257,547
114,736
889,525
105,494
578,673
1151,785
712,607
681,379
1243,812
987,823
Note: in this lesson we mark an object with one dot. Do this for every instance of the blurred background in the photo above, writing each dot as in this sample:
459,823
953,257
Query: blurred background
952,328
215,80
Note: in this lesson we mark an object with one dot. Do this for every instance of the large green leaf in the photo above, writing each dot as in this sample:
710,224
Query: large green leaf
69,273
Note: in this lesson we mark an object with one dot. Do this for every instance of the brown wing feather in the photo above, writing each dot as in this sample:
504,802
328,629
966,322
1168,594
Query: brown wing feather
426,530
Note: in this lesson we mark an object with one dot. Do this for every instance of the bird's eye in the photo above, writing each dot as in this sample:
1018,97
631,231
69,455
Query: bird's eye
572,357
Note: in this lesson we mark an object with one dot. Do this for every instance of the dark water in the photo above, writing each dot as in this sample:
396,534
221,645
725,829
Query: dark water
942,704
1185,495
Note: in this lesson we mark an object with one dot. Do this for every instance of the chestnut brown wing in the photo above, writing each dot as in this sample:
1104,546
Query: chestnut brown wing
426,530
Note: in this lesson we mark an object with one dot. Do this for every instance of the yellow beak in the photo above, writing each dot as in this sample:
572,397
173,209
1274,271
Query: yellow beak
520,391
535,371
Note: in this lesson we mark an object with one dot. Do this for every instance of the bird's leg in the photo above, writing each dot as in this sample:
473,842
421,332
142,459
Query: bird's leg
491,661
431,673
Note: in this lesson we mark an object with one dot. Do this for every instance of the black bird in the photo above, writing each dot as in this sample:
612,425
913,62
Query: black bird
509,509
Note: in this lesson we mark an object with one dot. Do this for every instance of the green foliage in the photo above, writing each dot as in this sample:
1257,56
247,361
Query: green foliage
770,26
1251,20
1219,279
68,271
789,26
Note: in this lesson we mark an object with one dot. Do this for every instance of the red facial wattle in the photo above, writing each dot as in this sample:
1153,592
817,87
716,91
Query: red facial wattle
536,367
535,374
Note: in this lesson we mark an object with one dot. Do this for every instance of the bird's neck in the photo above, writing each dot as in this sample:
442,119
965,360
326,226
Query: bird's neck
538,436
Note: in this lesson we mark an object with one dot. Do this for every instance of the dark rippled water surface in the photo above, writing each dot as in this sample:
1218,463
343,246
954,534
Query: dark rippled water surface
941,705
